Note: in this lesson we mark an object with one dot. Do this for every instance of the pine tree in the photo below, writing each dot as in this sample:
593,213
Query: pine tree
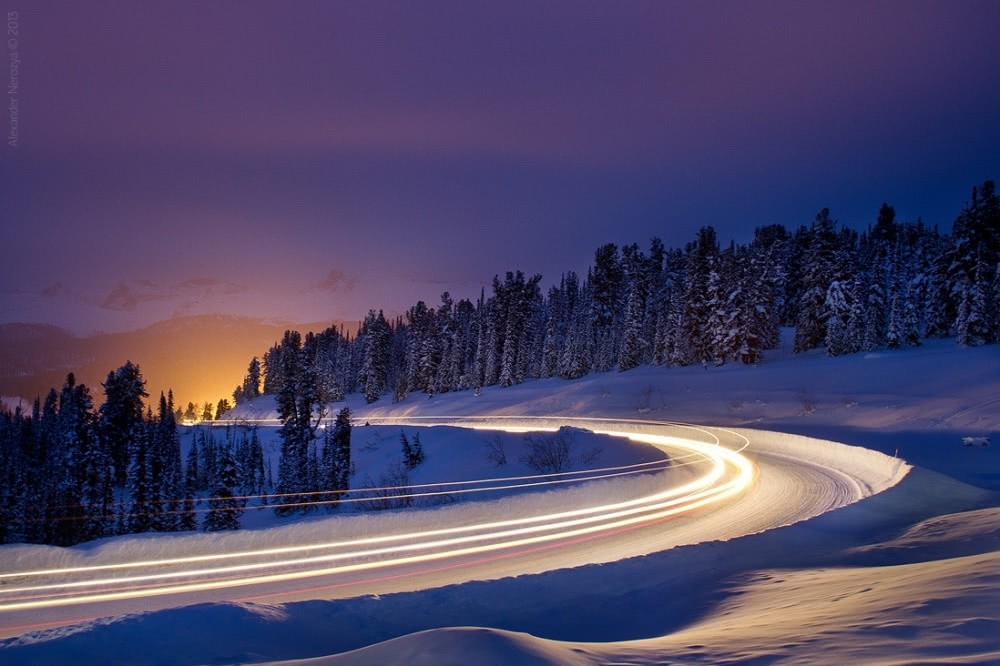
404,442
971,324
700,262
141,485
418,450
224,509
296,409
632,342
336,457
251,381
606,285
80,470
856,321
911,324
839,308
165,466
819,270
971,263
718,317
374,371
121,412
877,311
189,519
413,454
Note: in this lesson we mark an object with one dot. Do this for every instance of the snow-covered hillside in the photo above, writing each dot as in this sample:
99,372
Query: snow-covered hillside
907,575
918,403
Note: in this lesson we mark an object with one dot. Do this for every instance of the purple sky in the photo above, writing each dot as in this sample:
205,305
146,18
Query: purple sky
308,160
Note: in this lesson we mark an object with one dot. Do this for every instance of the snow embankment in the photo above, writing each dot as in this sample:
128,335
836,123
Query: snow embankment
940,607
868,472
461,646
452,454
919,402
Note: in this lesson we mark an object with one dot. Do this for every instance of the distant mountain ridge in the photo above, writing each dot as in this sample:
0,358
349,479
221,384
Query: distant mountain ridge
201,358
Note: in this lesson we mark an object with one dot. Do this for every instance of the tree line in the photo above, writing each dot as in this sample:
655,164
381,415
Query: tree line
70,472
891,286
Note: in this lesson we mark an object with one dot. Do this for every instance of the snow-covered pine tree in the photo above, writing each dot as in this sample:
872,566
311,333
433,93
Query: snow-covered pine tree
748,316
633,343
297,408
550,347
188,519
838,330
123,408
655,279
407,449
972,323
697,338
856,317
718,316
80,470
251,381
445,336
418,450
336,458
971,264
224,508
143,489
911,321
165,466
377,344
818,271
607,304
765,280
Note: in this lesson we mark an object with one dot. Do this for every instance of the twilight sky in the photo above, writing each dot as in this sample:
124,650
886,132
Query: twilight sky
305,161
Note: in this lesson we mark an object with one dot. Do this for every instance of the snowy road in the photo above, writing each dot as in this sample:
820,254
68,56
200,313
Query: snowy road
720,484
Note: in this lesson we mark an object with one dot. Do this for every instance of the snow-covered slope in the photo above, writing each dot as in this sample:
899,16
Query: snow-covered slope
907,575
917,402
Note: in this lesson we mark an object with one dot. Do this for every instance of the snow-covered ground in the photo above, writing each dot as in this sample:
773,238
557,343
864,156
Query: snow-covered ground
907,574
451,455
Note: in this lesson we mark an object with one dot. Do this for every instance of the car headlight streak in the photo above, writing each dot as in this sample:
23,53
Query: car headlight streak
727,473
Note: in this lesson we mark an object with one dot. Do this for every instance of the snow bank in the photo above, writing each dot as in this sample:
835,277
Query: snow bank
461,646
907,575
871,471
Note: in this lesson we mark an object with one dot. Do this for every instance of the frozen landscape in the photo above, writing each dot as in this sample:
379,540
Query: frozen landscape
445,333
896,563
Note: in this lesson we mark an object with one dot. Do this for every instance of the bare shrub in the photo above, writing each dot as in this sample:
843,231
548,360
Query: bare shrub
373,443
645,398
547,454
808,404
592,456
551,454
495,451
391,491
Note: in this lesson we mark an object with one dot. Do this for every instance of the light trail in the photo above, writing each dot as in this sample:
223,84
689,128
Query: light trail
728,473
358,491
665,465
404,492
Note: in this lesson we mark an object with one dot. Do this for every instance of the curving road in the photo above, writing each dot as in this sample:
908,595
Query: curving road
719,484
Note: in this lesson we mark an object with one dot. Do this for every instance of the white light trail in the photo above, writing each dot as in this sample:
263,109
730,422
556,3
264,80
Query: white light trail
727,474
